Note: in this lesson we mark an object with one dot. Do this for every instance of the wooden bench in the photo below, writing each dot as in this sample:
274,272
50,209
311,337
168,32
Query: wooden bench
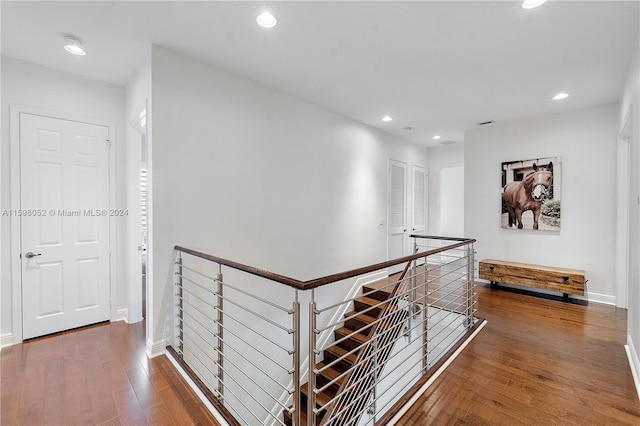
566,281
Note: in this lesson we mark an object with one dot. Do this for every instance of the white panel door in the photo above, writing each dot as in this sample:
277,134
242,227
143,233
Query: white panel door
64,224
397,214
419,197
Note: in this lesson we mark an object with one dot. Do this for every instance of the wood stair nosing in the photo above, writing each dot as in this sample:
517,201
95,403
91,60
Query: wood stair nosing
357,320
328,375
352,339
378,294
337,352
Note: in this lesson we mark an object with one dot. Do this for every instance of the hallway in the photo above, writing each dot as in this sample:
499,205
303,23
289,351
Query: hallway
538,361
98,375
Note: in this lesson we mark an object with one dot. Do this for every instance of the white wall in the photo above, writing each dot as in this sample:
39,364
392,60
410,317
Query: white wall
452,201
631,99
249,173
439,158
586,140
26,84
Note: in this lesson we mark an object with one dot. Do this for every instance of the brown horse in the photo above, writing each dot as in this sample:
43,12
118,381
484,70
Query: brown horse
528,194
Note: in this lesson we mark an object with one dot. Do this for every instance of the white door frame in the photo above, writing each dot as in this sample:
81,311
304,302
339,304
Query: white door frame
134,255
14,169
622,214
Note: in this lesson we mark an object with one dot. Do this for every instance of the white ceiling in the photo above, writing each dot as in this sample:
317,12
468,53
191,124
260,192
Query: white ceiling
439,67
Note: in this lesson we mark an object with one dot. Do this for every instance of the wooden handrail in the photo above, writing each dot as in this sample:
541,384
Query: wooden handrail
318,282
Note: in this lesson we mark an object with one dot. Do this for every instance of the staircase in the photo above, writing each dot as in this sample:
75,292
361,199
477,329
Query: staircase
367,310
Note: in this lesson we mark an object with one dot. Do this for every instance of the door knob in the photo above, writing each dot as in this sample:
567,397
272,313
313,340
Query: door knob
31,254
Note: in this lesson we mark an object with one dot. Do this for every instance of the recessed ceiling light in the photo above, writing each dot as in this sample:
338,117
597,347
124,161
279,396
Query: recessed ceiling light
560,96
386,118
530,4
267,20
73,44
436,137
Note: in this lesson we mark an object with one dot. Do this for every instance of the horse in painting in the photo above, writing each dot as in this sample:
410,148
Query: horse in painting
528,194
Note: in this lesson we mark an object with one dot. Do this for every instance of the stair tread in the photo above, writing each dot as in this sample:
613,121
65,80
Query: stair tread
371,302
340,352
345,331
329,372
322,398
360,316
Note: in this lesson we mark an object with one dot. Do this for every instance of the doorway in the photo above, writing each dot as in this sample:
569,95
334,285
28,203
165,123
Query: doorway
403,209
138,200
62,227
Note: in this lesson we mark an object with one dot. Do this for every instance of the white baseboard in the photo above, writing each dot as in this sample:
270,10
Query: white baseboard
6,340
157,348
634,362
122,315
607,299
589,296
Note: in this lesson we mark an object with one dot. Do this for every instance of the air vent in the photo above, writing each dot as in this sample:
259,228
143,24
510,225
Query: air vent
447,142
484,123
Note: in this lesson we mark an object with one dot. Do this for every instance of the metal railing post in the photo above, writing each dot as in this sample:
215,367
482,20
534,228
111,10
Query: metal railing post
311,398
296,361
220,334
180,308
425,319
469,285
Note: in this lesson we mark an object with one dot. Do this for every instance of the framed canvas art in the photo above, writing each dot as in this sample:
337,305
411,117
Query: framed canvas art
531,194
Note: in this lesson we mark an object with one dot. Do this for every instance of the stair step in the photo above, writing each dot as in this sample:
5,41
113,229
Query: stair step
358,321
354,341
326,376
334,352
322,398
380,295
363,303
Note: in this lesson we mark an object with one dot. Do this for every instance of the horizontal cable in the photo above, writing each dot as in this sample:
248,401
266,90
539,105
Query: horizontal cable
228,346
183,266
210,291
260,351
282,308
229,375
275,324
255,332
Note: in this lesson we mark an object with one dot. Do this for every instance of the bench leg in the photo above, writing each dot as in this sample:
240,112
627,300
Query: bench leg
565,297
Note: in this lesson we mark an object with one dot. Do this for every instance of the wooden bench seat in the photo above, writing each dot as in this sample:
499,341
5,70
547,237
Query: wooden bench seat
564,280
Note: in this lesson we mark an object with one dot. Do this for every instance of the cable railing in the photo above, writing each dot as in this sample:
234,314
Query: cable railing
344,349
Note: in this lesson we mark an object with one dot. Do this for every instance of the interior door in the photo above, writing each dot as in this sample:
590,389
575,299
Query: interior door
64,170
397,213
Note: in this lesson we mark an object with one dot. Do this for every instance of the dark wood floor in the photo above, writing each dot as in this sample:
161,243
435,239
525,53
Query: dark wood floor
537,362
98,375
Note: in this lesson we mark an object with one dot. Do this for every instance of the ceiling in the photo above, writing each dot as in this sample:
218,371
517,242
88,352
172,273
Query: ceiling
437,67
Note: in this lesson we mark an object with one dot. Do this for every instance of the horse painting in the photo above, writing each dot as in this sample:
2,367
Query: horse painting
528,194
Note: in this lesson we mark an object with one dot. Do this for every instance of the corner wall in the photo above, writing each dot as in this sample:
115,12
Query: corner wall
630,103
26,84
586,140
249,173
439,158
